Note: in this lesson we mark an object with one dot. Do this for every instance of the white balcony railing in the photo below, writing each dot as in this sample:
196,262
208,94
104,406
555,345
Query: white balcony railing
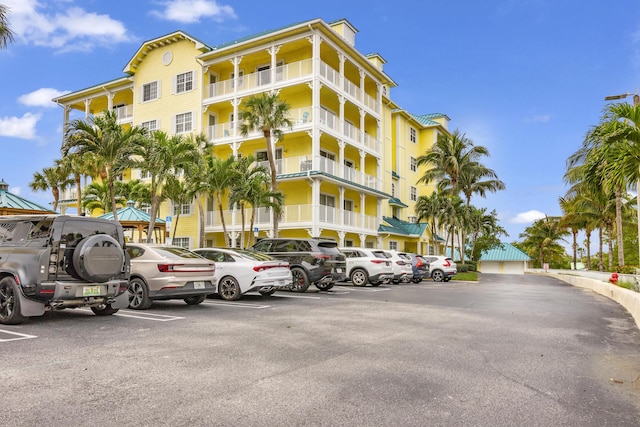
124,113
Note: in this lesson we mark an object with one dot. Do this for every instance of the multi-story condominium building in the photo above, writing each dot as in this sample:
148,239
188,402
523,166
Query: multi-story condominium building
347,167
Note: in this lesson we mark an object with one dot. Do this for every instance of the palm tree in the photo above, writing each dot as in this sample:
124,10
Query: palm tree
97,196
6,35
544,236
104,138
478,179
429,209
53,178
218,179
178,192
266,112
161,156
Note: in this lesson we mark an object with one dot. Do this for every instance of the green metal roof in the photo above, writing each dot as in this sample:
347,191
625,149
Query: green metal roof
398,226
132,215
424,120
13,201
397,202
507,252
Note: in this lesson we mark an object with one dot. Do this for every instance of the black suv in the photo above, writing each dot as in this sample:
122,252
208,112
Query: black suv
312,261
52,262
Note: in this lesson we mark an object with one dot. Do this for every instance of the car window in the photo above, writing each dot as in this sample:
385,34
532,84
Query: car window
13,232
212,255
284,246
263,245
74,231
304,246
379,254
134,251
257,256
328,244
175,252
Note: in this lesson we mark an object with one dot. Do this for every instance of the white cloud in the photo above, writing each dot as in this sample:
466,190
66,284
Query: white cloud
527,217
191,11
69,29
540,118
41,97
19,127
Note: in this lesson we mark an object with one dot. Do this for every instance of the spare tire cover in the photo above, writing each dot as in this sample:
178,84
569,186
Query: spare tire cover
98,258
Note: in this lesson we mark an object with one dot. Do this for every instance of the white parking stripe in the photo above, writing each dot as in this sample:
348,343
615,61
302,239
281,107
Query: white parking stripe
293,296
364,289
17,336
236,304
147,316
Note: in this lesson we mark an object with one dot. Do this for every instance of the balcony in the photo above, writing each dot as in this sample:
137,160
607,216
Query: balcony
294,216
254,81
124,114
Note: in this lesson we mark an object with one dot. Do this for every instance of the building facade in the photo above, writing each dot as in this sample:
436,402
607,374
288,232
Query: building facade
347,167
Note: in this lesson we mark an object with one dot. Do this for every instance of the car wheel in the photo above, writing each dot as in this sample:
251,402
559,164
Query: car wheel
359,277
324,286
229,289
139,295
268,293
195,300
375,285
437,276
10,302
104,310
300,280
417,280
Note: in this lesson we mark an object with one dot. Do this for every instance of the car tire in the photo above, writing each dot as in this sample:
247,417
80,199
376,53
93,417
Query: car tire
268,293
229,289
300,280
437,275
104,310
139,295
195,300
98,258
324,286
375,285
359,277
10,302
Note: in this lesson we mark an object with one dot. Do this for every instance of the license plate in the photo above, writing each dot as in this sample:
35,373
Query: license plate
198,285
91,291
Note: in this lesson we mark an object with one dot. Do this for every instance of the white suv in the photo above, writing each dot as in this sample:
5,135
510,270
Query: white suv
441,268
402,270
366,265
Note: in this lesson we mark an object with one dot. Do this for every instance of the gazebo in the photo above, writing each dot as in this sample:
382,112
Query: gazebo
133,220
12,204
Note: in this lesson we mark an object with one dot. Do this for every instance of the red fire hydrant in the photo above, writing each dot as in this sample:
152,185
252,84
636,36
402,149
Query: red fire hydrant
614,278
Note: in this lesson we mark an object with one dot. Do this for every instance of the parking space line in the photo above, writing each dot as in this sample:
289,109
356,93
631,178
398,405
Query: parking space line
148,316
236,304
365,289
18,336
293,296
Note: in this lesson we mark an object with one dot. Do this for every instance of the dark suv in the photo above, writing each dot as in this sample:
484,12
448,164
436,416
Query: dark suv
312,261
52,262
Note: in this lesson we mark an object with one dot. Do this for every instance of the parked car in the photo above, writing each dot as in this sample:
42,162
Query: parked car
402,271
420,267
53,262
240,271
366,265
441,268
312,261
164,272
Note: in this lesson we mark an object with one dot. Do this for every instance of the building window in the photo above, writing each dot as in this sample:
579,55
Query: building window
151,125
184,209
414,164
413,135
145,175
393,246
414,194
184,123
181,241
184,82
145,208
150,91
412,219
393,189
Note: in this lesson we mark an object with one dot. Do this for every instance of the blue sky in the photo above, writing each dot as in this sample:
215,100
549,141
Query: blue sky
525,78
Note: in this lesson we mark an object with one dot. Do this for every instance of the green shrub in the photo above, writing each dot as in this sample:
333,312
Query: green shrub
626,269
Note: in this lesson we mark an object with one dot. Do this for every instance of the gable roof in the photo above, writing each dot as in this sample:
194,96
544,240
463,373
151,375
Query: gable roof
130,214
507,252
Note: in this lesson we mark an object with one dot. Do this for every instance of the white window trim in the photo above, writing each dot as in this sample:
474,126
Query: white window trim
174,125
413,194
158,91
193,82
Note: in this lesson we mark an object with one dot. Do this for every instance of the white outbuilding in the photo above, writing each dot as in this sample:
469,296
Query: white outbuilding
505,259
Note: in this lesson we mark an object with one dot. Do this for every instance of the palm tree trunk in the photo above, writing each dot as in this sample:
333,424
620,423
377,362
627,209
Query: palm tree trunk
112,196
175,227
274,172
610,245
224,225
601,247
575,249
619,228
152,216
588,234
242,226
251,222
202,221
79,190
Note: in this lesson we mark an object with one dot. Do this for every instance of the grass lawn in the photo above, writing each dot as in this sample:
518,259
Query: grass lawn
469,275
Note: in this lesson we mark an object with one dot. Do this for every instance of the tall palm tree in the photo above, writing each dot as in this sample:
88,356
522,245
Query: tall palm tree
104,138
544,236
161,156
53,178
177,190
6,34
97,196
219,175
478,179
266,112
429,209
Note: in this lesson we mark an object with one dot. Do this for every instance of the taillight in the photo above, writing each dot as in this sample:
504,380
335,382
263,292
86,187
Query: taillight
419,263
260,268
378,261
182,268
400,262
446,263
165,268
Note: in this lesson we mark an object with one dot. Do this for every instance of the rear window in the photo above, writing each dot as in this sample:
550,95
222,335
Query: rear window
176,252
74,231
256,256
379,254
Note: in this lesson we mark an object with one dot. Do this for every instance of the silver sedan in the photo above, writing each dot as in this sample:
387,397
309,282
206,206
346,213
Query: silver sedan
163,272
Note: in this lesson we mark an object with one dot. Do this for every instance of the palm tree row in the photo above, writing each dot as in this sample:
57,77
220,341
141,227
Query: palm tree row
454,165
179,168
600,172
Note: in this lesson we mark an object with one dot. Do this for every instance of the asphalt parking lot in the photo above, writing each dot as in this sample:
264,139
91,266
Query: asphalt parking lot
509,350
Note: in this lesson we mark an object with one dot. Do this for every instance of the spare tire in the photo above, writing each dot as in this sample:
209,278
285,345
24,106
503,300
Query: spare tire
98,258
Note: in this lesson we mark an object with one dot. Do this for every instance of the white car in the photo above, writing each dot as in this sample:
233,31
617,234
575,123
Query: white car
402,270
240,271
441,268
365,265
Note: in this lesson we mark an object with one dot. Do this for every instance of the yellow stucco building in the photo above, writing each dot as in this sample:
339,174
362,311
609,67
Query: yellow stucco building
347,167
